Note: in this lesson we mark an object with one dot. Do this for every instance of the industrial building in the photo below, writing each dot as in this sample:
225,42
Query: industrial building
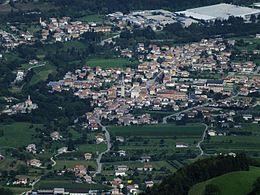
220,11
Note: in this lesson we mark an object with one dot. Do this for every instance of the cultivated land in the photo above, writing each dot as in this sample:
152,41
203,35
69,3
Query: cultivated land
68,184
239,182
156,141
17,134
42,73
109,63
191,129
236,142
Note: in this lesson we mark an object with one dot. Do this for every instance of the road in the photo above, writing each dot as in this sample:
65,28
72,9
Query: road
108,140
110,39
195,107
152,81
36,66
202,140
183,111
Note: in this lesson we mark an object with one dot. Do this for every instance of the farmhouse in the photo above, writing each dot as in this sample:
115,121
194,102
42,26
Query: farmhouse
88,156
181,145
35,163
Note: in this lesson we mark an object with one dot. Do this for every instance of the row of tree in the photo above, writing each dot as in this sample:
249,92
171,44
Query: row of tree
181,182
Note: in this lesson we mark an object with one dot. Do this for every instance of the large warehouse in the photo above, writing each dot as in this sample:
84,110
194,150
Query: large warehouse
220,11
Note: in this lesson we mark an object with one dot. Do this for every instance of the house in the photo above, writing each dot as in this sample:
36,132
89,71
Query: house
21,181
88,156
62,150
35,163
148,167
247,117
149,184
55,136
87,179
122,168
120,138
99,139
120,173
122,153
145,158
2,157
181,145
31,148
212,133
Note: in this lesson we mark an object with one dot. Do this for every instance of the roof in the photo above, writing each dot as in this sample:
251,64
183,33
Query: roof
219,11
219,82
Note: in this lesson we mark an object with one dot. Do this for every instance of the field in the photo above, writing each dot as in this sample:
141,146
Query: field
68,184
156,141
239,182
158,130
42,73
17,134
236,143
92,18
109,63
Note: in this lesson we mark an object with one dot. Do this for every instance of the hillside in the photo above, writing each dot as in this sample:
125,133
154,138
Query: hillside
238,182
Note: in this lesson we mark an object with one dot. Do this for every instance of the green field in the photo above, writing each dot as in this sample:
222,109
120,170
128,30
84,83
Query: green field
42,73
191,129
92,18
236,143
109,63
50,184
238,183
92,148
17,134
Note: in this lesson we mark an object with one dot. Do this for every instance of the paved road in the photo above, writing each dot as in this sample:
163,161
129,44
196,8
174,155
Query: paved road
202,140
183,111
108,140
36,66
110,39
195,107
152,81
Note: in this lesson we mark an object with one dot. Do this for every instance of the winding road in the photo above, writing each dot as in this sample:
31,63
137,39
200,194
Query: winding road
108,140
202,140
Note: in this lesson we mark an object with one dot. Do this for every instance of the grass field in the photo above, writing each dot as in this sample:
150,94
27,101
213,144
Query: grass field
238,143
158,130
92,148
17,134
238,183
17,190
92,18
68,184
42,73
109,63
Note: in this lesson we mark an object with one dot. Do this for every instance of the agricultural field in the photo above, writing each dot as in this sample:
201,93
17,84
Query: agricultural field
158,142
61,183
236,143
92,18
17,134
42,73
239,182
110,63
161,130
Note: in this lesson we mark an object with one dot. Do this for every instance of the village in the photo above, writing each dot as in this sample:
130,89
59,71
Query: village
164,81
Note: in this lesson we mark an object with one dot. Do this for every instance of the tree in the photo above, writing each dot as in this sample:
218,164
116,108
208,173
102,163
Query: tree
5,191
212,189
